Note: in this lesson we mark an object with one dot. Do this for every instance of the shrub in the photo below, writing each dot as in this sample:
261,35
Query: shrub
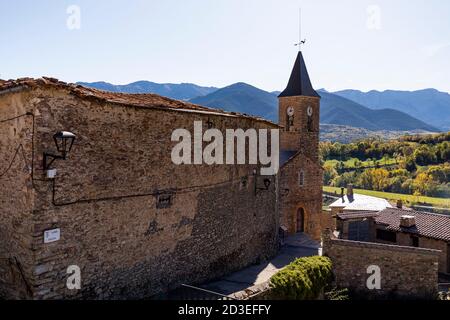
303,279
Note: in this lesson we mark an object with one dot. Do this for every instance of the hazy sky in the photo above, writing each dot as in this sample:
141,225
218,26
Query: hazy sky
350,44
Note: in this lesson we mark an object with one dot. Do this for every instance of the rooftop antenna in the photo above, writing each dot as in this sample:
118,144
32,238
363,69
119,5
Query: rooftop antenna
300,41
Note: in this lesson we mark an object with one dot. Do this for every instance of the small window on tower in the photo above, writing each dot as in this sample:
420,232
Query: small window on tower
301,178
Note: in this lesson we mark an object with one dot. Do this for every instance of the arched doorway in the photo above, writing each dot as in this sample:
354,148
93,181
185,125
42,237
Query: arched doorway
301,220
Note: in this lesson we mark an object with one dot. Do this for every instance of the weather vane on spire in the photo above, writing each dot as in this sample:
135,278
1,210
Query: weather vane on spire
300,41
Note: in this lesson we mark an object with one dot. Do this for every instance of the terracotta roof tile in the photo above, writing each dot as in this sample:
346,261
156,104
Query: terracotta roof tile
431,225
147,100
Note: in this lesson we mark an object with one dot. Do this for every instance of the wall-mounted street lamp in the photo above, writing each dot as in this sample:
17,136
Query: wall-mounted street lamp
64,142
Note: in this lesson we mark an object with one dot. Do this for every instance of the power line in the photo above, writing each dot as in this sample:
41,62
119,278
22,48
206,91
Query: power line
154,193
20,147
17,117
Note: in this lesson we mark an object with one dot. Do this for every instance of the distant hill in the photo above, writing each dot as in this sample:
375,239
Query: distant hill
182,91
243,98
429,105
338,110
347,134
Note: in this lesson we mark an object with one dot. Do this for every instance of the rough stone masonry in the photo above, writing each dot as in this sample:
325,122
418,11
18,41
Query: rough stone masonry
405,272
135,223
118,208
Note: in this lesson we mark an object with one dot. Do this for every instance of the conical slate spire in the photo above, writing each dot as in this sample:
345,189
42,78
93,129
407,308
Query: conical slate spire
299,83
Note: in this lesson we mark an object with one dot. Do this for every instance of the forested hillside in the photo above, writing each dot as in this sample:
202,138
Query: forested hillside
418,165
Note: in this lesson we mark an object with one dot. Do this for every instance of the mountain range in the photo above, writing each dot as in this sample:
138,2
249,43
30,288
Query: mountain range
429,105
349,108
335,109
182,91
243,98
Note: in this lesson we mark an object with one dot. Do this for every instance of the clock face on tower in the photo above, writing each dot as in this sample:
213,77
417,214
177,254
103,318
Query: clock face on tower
290,111
309,111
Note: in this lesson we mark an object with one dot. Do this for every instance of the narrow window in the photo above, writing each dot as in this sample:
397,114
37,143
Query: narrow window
301,178
310,124
415,241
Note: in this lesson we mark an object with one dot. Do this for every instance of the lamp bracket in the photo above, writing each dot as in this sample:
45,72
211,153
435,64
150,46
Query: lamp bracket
50,158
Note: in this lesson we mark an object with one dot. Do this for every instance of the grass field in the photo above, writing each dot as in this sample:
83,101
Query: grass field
407,199
350,163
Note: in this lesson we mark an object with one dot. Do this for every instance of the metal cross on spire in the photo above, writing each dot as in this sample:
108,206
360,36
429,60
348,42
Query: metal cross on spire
300,41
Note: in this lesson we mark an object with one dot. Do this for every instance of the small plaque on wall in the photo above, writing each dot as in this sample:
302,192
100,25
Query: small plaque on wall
52,235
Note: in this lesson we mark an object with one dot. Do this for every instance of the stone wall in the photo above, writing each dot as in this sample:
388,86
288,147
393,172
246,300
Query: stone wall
307,197
299,137
405,271
404,239
305,140
16,198
106,201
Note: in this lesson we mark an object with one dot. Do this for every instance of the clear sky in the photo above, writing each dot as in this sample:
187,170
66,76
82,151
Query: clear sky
358,44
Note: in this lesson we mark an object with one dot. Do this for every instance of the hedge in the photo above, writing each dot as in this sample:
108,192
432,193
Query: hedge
303,279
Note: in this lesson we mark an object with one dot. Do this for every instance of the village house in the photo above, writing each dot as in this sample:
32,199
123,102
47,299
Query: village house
87,182
351,202
400,227
417,229
351,210
407,247
113,203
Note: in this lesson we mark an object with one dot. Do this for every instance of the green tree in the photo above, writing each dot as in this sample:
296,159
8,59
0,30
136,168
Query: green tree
374,179
409,164
329,174
424,155
424,184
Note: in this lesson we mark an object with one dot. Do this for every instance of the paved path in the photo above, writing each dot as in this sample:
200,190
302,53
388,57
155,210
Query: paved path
295,246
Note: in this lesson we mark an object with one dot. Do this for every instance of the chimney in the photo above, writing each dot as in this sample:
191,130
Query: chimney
399,204
350,192
407,221
342,194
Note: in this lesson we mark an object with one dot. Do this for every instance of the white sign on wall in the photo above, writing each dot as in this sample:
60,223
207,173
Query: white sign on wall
52,235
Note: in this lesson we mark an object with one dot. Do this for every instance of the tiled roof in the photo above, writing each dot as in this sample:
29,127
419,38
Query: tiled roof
431,225
356,215
147,100
299,83
361,202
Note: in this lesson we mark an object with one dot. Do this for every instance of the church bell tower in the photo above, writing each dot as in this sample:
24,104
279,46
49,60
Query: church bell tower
299,110
301,176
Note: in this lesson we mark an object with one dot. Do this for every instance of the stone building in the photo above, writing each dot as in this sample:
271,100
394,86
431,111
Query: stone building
87,181
351,213
351,202
400,227
415,229
403,271
115,205
300,173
